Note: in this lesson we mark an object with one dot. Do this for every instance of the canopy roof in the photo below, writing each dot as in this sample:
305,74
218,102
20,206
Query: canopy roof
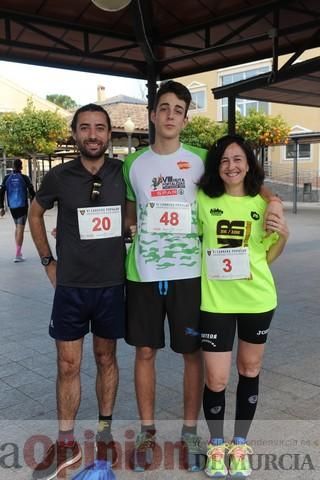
297,84
156,39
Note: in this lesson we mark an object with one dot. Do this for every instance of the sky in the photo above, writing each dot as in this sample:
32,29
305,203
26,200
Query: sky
80,86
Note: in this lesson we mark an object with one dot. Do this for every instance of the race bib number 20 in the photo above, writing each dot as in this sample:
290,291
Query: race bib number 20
99,222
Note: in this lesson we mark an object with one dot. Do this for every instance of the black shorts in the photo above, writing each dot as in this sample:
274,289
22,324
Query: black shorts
218,329
74,309
148,303
19,215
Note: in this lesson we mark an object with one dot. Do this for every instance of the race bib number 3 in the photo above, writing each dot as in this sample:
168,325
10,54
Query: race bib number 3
228,263
169,217
99,222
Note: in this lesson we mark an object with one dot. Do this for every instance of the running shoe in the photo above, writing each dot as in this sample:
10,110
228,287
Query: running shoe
18,259
142,455
216,467
106,448
57,458
239,461
194,453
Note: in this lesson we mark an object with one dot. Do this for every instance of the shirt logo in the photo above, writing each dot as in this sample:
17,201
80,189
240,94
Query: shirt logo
167,186
192,332
255,215
216,212
209,338
183,165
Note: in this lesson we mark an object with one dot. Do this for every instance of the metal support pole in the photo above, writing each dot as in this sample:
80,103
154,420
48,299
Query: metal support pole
4,164
129,142
295,176
231,115
152,90
110,148
30,169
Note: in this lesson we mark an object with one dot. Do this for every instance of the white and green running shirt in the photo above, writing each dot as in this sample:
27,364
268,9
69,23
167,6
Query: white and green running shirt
164,187
227,223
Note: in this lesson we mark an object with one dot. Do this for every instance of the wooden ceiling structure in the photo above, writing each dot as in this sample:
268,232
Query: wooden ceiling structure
160,39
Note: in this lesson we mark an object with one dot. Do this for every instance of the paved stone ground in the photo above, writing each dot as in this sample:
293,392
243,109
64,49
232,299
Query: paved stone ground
285,435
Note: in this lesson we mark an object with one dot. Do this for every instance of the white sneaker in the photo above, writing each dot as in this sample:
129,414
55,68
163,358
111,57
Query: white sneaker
18,259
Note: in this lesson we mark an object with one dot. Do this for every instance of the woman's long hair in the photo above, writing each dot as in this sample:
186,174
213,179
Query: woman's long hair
211,182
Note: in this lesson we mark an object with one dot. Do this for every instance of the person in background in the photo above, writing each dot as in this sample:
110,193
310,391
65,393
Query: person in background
237,291
88,277
17,187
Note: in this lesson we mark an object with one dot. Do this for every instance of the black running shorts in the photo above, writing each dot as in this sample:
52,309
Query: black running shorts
148,304
218,329
75,310
19,215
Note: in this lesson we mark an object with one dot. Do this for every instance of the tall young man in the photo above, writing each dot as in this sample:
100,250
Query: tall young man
163,266
88,278
18,187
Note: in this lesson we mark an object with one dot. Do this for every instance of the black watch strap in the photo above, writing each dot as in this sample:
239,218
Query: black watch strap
45,261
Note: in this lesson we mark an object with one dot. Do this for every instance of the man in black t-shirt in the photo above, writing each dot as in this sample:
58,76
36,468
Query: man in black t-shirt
17,187
88,277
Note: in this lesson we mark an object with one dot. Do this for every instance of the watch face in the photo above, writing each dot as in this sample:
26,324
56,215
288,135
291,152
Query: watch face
45,261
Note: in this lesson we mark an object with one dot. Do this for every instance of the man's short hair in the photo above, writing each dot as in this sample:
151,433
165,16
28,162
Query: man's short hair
17,164
177,88
90,107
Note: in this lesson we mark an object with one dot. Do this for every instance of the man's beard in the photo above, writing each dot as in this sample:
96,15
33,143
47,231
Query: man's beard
87,153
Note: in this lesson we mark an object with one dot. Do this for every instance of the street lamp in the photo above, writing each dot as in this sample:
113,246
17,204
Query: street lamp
129,127
111,5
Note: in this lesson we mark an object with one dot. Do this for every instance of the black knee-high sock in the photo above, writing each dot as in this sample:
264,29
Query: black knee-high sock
247,399
214,406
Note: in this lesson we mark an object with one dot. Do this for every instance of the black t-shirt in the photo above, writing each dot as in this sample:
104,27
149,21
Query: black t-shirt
85,263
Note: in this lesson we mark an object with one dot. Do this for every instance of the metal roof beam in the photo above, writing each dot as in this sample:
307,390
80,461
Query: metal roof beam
266,79
49,22
143,21
238,43
73,52
47,35
314,38
67,66
259,10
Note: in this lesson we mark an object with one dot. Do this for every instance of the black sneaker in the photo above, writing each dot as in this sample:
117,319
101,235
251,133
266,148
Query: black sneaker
142,455
106,448
57,458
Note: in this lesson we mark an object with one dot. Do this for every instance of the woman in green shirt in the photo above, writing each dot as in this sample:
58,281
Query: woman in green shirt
237,291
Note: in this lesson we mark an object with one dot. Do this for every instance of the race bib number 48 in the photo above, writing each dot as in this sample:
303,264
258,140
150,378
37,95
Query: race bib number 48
169,217
99,222
228,263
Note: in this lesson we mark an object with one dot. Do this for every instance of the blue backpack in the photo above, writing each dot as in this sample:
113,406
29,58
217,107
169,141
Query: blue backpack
16,190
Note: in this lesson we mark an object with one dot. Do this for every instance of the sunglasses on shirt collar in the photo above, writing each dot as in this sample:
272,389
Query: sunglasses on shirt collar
96,188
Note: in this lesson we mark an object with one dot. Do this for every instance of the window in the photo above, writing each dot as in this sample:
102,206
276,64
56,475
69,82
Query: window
304,151
243,106
198,101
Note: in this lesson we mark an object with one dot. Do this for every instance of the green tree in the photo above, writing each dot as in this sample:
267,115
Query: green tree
32,132
63,101
262,130
202,132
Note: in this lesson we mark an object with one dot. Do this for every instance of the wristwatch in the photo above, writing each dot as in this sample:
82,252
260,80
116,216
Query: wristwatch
46,260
